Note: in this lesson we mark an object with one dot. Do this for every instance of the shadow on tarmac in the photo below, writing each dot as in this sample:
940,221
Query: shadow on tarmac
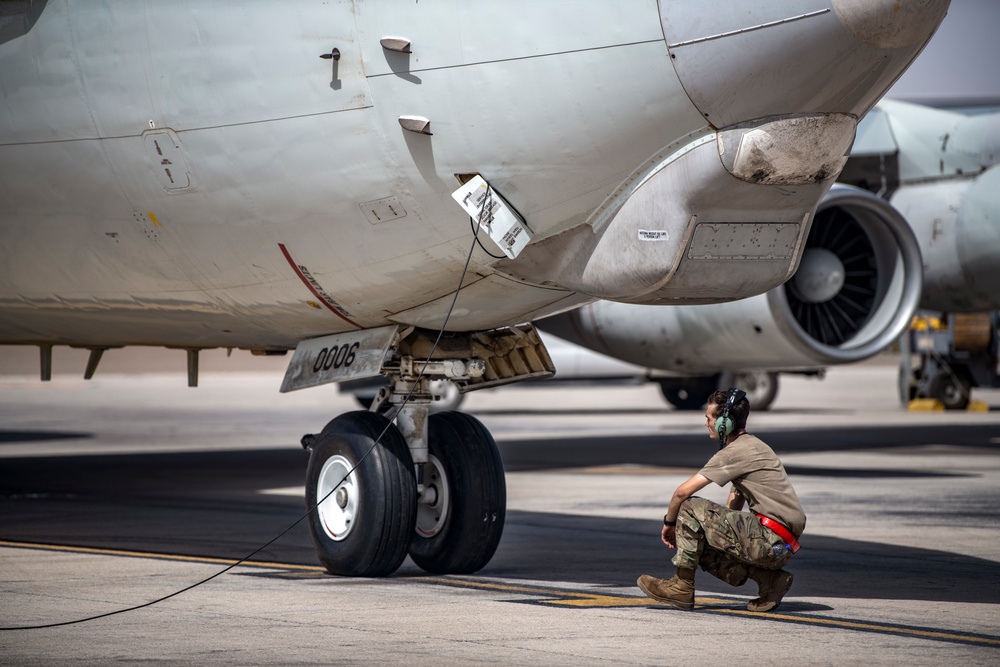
207,504
614,552
690,450
19,437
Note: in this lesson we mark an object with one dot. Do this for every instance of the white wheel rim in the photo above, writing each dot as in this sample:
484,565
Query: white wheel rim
339,511
432,507
757,385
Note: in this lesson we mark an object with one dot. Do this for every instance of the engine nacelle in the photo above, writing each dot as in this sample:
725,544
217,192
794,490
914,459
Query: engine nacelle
958,224
854,292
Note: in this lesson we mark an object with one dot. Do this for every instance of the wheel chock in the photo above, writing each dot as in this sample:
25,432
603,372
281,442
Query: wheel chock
925,405
977,406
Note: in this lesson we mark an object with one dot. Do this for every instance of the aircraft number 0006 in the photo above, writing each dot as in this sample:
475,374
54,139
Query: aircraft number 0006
337,356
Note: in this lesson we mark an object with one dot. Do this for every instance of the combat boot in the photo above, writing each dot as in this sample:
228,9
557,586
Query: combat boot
771,587
677,590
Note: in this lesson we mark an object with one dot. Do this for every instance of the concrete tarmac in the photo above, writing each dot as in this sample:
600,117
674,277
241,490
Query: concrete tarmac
129,488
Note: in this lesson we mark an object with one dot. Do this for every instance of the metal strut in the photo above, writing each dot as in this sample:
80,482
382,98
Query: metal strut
469,360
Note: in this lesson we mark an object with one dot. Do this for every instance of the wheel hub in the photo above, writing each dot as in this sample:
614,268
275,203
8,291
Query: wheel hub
433,503
337,488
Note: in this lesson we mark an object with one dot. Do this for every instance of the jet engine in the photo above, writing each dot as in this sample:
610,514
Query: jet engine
854,292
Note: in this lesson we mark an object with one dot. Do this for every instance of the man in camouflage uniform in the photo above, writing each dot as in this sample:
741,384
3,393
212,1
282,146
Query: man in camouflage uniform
728,543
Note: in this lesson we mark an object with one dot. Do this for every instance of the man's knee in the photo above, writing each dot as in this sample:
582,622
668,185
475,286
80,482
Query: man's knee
696,507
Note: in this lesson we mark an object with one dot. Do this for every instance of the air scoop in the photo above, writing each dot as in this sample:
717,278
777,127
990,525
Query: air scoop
788,151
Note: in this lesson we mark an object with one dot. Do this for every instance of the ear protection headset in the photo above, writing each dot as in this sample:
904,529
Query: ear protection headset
724,425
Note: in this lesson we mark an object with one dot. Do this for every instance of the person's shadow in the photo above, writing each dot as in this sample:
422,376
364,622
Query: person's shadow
614,552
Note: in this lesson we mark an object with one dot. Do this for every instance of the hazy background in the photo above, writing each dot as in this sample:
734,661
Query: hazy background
961,64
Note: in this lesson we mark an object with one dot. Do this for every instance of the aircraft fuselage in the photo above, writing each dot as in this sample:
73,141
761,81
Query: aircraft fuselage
238,174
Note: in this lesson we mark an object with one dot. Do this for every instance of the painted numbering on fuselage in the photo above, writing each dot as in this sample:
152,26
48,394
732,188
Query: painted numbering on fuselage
337,356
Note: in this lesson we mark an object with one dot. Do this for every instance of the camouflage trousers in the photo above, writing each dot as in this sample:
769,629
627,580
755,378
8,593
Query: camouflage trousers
725,542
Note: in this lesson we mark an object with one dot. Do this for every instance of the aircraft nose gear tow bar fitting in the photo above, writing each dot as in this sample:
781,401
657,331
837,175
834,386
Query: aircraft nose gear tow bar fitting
430,485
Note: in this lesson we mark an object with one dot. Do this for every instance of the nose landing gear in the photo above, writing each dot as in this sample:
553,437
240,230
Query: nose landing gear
398,480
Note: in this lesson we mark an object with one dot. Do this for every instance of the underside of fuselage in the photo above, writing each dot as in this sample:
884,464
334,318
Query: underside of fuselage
169,181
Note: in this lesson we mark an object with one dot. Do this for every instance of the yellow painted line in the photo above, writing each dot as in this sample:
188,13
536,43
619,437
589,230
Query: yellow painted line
156,223
577,599
597,600
564,598
561,597
870,627
146,554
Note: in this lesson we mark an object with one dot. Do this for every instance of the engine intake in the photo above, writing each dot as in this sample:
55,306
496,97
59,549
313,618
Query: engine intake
858,282
854,292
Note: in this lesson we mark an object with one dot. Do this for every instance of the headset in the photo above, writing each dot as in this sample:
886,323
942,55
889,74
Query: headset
724,424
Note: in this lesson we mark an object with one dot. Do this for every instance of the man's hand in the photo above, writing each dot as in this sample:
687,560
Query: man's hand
669,536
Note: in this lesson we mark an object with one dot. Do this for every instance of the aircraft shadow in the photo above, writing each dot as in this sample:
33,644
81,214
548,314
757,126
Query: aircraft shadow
614,552
208,504
16,437
693,450
570,411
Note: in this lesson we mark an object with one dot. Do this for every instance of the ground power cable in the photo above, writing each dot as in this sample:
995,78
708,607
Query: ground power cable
406,399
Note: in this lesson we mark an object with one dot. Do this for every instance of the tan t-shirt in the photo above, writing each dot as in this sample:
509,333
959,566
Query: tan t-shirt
755,470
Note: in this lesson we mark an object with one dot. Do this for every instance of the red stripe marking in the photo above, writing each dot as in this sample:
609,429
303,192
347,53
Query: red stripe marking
305,281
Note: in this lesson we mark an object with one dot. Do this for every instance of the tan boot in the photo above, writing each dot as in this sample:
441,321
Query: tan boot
677,590
771,587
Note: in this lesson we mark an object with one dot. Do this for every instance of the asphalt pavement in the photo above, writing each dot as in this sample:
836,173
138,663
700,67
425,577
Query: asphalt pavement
132,487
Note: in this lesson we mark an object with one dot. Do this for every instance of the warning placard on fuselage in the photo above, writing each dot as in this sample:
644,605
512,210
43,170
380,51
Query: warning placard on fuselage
499,221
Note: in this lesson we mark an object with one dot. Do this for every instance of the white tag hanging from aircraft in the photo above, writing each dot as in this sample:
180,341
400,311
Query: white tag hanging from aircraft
502,224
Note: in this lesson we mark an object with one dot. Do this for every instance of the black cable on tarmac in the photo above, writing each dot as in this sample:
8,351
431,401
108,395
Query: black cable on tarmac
406,399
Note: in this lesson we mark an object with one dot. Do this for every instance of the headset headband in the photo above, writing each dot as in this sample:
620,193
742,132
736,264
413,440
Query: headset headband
724,425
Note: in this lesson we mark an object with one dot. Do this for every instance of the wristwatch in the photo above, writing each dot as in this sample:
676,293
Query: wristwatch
671,524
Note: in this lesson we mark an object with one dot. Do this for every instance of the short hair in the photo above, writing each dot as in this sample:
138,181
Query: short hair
739,413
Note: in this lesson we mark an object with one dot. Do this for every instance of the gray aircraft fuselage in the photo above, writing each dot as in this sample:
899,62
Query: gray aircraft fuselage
246,174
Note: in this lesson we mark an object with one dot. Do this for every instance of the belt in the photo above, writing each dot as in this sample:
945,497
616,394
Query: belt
780,530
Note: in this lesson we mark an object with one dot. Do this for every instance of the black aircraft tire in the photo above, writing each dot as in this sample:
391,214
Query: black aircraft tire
907,384
476,499
951,389
365,530
690,394
761,387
